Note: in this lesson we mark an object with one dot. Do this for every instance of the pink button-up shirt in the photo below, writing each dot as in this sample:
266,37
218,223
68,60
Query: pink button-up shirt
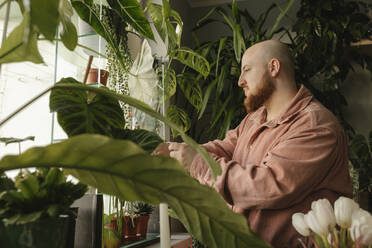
271,170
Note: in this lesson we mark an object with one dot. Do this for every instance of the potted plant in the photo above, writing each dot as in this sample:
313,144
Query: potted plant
143,212
35,203
135,221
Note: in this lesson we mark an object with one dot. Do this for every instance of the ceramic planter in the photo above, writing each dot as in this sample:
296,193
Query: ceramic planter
56,232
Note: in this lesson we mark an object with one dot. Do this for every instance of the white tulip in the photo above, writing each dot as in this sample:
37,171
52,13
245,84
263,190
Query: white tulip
361,227
324,213
344,208
359,214
312,221
299,224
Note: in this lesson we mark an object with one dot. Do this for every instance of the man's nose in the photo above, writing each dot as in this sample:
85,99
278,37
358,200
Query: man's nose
241,82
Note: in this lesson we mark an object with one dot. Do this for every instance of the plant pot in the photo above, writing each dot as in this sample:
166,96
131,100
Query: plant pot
129,229
56,232
93,76
142,226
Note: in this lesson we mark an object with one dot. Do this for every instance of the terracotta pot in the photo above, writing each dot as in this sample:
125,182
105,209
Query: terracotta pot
136,230
93,76
129,229
142,226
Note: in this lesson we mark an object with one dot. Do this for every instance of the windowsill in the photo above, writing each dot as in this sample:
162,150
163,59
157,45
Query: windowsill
178,240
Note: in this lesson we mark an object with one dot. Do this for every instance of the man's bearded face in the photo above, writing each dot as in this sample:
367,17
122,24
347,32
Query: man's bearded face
263,92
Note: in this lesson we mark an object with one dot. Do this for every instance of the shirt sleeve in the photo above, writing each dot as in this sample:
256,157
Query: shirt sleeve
286,175
225,148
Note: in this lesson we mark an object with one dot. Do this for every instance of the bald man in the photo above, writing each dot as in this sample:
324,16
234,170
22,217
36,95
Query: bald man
287,152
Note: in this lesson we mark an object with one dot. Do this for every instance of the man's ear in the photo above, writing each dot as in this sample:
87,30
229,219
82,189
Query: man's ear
274,67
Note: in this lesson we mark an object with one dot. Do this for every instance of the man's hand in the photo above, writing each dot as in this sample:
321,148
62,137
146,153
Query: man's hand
182,152
162,149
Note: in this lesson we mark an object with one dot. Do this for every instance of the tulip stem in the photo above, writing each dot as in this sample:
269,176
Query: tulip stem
342,237
335,234
325,241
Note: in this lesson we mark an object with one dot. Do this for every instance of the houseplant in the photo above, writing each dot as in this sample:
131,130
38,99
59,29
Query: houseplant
135,220
35,203
115,168
213,99
322,45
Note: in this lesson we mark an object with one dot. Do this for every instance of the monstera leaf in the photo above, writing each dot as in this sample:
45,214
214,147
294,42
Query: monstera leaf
121,168
147,140
77,115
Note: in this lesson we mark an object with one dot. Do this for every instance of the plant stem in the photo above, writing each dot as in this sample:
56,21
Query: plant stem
3,3
325,241
24,106
335,234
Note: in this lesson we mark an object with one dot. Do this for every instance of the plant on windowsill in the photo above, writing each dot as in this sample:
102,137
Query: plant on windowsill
35,203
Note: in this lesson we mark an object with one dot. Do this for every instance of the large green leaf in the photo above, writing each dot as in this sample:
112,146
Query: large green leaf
280,17
19,46
77,115
206,97
123,169
192,59
220,46
131,12
45,16
164,18
238,41
87,13
170,83
69,34
147,140
180,118
214,166
191,88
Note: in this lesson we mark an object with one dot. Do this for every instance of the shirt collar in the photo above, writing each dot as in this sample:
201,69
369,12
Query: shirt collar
298,103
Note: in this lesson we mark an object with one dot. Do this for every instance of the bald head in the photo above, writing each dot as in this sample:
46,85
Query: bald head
264,51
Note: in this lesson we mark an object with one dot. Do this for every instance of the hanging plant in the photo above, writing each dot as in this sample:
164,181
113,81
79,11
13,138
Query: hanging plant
118,80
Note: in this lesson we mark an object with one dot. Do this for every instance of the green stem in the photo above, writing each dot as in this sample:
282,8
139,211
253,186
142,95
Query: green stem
325,241
342,238
335,235
3,3
24,106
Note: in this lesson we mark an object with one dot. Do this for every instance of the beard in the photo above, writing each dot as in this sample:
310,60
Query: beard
264,92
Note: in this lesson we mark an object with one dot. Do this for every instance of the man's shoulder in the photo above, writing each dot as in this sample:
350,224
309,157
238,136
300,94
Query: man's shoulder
318,116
